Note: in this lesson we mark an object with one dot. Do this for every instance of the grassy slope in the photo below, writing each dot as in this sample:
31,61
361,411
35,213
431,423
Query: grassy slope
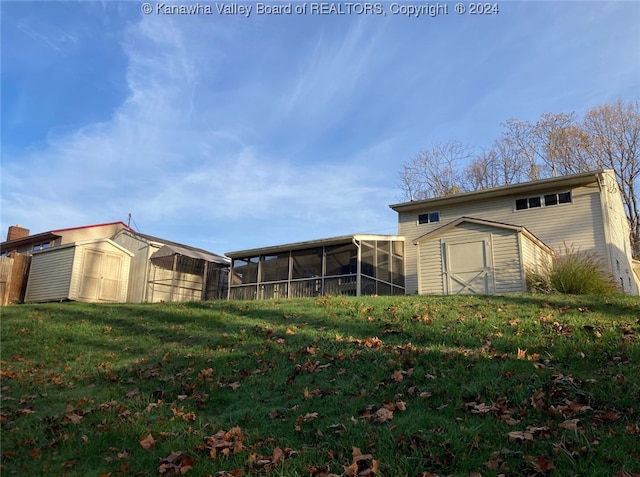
444,385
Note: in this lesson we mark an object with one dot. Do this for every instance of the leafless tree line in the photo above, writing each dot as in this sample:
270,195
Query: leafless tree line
606,137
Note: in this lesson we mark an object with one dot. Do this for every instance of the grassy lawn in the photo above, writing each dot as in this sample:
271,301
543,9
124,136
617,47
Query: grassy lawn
384,386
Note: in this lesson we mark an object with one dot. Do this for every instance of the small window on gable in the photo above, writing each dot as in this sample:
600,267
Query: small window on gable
564,198
429,218
521,204
550,199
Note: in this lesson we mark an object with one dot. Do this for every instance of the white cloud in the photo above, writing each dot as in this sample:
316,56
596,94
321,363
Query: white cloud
293,128
166,155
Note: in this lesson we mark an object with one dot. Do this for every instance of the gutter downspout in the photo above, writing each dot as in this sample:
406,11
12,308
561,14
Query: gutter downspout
203,295
358,266
173,276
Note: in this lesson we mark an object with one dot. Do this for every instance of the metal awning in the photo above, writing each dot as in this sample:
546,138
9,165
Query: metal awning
170,250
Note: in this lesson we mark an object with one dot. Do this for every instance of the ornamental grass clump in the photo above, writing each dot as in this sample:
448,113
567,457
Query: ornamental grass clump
580,273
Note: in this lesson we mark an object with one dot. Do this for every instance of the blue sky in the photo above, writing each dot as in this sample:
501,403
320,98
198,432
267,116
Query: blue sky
227,133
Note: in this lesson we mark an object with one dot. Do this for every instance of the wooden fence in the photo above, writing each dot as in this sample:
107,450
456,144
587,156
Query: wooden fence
14,272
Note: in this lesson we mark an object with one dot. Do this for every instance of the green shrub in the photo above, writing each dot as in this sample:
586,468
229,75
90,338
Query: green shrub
580,273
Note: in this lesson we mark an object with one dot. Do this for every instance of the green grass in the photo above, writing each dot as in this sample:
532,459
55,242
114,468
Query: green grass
518,385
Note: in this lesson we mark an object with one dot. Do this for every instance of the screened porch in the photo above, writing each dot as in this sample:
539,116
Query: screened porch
351,265
181,274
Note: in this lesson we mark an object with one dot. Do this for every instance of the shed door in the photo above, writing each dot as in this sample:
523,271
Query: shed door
111,276
468,267
101,275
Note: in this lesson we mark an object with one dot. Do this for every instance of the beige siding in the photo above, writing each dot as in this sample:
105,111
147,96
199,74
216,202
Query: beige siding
140,266
508,272
431,267
88,233
617,234
578,224
534,257
50,275
186,286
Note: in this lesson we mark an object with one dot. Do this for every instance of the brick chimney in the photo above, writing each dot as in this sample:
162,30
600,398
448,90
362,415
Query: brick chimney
17,232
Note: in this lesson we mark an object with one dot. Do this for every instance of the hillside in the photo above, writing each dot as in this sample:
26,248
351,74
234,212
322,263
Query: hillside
384,386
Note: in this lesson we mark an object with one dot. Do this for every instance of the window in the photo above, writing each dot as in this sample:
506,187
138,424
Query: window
534,202
429,218
564,198
41,246
546,200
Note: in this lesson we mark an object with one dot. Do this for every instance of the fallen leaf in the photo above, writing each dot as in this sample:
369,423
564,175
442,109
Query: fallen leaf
520,436
570,424
541,464
148,442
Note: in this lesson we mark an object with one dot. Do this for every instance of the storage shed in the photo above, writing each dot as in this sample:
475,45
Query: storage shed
476,256
90,271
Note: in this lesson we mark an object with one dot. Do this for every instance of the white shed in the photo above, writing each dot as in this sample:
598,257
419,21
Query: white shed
91,271
478,256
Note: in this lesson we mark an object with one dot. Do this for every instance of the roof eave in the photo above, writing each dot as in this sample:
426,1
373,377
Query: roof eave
343,239
511,189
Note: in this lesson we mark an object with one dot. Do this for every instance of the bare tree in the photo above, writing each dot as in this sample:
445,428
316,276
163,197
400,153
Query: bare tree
517,139
435,172
481,173
568,150
614,143
512,166
494,167
608,137
549,138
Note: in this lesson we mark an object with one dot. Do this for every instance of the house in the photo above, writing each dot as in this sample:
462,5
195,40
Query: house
486,241
154,269
19,239
347,265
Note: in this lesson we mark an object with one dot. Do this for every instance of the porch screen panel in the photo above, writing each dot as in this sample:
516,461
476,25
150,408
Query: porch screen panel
383,263
368,258
307,263
245,270
397,263
275,267
341,260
